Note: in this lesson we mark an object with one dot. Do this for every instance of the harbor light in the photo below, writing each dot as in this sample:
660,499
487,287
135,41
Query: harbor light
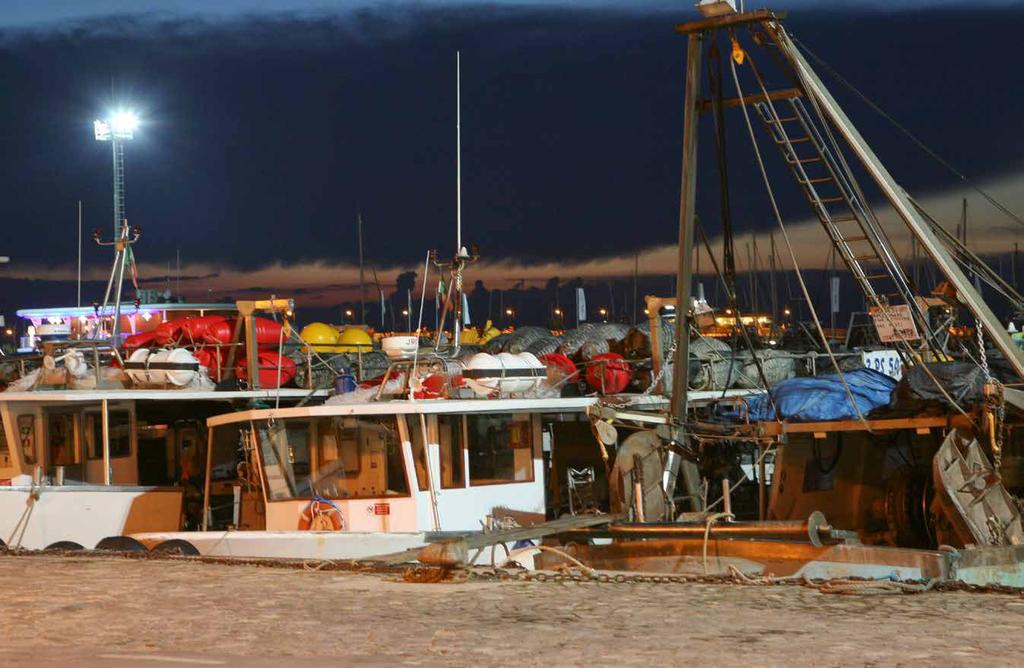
120,126
117,128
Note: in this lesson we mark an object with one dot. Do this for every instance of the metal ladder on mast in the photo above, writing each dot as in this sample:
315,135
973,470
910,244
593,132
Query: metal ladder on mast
851,227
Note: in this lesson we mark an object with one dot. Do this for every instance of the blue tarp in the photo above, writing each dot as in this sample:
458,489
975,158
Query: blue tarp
824,398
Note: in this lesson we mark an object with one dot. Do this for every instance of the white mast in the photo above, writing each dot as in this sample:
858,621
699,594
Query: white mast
79,253
458,154
457,312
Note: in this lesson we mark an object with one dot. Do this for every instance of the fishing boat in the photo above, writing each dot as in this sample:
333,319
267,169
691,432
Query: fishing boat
100,440
919,478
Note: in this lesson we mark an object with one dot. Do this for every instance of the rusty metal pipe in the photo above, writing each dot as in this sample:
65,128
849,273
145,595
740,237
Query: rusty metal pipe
812,531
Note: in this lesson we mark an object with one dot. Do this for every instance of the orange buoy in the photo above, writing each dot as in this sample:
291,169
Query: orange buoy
321,515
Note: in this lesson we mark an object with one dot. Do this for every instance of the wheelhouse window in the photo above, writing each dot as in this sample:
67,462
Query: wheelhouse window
284,448
120,427
60,434
353,457
27,437
450,437
419,435
500,448
5,451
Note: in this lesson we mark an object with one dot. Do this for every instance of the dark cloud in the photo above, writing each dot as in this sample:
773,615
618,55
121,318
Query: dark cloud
265,135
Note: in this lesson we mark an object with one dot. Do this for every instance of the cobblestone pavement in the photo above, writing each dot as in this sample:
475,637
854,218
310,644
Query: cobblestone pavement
87,611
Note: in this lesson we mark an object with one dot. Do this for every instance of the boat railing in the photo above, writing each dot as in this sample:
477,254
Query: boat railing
405,369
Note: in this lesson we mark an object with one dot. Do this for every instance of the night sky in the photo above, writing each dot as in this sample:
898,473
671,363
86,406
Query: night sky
267,126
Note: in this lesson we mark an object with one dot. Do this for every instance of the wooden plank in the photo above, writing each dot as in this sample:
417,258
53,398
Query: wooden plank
777,428
486,539
729,20
537,530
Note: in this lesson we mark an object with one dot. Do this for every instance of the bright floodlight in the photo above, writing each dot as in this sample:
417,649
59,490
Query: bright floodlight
120,126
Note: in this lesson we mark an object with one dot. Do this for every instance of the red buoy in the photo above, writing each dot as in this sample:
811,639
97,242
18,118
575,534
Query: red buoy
559,363
608,373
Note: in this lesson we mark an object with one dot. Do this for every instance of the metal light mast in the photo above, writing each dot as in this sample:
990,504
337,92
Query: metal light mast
119,128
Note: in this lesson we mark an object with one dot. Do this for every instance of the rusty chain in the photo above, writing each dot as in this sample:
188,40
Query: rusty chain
416,573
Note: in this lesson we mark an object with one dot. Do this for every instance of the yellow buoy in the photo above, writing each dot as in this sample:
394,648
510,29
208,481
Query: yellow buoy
490,331
320,336
354,339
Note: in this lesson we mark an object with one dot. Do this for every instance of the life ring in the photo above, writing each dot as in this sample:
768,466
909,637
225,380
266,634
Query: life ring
321,515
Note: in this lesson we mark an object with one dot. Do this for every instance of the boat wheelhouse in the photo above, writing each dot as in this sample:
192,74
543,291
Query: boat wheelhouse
82,465
355,480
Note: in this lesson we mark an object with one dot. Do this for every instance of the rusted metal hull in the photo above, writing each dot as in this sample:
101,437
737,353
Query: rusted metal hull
682,556
759,557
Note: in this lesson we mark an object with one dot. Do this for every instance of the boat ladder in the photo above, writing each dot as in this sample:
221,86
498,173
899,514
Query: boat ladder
826,182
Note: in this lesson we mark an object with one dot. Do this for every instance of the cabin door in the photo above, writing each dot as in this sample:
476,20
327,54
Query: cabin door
63,445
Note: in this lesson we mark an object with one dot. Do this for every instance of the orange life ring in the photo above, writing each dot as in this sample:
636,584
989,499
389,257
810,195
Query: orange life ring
321,515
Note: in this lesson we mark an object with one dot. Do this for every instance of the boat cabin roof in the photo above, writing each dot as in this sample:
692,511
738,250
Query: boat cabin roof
416,407
158,395
88,311
449,406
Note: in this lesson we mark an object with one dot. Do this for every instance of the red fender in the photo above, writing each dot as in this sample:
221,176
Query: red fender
195,329
141,340
167,332
269,361
268,332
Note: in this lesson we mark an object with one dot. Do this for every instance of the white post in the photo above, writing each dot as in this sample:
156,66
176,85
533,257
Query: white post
206,481
458,153
105,417
79,253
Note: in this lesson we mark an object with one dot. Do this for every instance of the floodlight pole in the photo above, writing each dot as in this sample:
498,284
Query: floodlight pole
117,146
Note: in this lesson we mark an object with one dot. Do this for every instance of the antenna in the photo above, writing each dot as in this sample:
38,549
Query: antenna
458,152
461,258
79,253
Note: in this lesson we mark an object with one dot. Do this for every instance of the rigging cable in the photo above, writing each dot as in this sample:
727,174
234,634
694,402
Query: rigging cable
781,37
739,322
789,245
911,136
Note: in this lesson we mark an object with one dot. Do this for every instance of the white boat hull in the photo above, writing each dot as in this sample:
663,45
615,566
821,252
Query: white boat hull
317,545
